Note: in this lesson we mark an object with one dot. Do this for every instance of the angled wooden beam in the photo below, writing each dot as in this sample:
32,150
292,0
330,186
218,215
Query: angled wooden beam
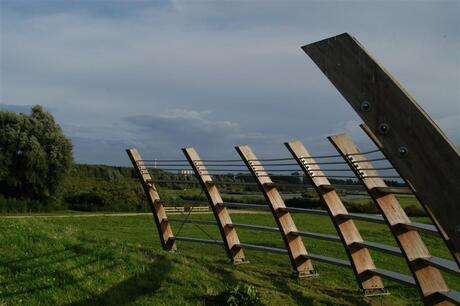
167,239
359,255
298,255
224,222
422,154
428,278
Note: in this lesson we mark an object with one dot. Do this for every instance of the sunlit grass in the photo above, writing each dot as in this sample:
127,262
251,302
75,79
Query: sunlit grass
118,260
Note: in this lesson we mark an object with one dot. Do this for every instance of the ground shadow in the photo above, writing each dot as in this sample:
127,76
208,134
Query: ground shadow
129,290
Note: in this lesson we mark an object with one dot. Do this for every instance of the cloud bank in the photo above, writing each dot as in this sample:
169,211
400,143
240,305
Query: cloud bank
163,75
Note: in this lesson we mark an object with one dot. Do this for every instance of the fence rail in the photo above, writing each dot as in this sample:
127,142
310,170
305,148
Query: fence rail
398,127
446,265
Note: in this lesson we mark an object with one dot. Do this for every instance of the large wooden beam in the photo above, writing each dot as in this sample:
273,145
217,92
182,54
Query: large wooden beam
298,255
425,158
224,222
429,279
167,239
359,255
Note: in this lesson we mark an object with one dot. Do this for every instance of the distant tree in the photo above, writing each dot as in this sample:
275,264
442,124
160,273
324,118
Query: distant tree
35,156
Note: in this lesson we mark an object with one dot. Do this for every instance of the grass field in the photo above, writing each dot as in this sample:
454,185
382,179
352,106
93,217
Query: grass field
118,261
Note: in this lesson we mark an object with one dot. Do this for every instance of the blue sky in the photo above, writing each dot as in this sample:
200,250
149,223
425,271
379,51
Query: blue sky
161,75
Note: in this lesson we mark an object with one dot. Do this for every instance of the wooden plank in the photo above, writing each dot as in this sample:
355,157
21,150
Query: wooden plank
359,255
422,154
224,222
428,278
167,239
297,252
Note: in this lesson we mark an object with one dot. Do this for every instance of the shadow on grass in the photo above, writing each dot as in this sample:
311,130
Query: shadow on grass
127,291
65,279
15,266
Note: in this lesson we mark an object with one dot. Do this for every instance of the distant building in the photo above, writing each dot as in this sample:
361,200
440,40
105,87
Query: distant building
186,172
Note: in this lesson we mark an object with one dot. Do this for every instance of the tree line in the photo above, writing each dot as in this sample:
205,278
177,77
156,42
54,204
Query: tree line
37,174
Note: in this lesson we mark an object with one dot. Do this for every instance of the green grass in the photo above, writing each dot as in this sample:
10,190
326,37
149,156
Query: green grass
118,261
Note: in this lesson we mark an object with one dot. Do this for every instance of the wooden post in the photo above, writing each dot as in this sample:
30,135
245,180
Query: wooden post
429,279
360,257
224,222
422,154
298,255
167,239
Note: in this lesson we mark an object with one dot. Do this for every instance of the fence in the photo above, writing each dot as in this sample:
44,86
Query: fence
409,147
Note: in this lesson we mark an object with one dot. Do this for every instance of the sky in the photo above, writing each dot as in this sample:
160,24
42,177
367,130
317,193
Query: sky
162,75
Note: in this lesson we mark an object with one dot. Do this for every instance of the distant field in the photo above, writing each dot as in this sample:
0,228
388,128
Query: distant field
118,260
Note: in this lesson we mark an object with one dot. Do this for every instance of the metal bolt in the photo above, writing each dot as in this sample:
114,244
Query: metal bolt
365,106
403,151
384,128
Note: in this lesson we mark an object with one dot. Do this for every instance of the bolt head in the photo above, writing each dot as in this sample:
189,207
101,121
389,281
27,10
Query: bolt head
403,151
365,106
384,128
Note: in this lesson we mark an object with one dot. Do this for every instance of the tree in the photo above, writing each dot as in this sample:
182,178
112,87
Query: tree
35,156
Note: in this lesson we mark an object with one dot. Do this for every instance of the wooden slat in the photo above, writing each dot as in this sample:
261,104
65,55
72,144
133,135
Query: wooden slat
421,153
156,205
294,245
428,278
358,253
224,222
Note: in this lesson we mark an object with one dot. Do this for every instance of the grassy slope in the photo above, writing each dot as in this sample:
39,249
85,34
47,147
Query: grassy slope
118,260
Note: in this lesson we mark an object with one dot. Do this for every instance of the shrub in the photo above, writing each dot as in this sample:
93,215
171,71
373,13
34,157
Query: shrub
35,156
24,205
364,208
312,203
242,295
415,211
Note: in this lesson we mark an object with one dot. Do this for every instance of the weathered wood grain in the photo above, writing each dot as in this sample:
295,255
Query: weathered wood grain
224,222
167,239
426,159
359,255
428,278
293,241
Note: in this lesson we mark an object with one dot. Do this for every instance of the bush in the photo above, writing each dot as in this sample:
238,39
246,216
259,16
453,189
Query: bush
415,211
24,205
311,203
35,156
366,208
241,295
